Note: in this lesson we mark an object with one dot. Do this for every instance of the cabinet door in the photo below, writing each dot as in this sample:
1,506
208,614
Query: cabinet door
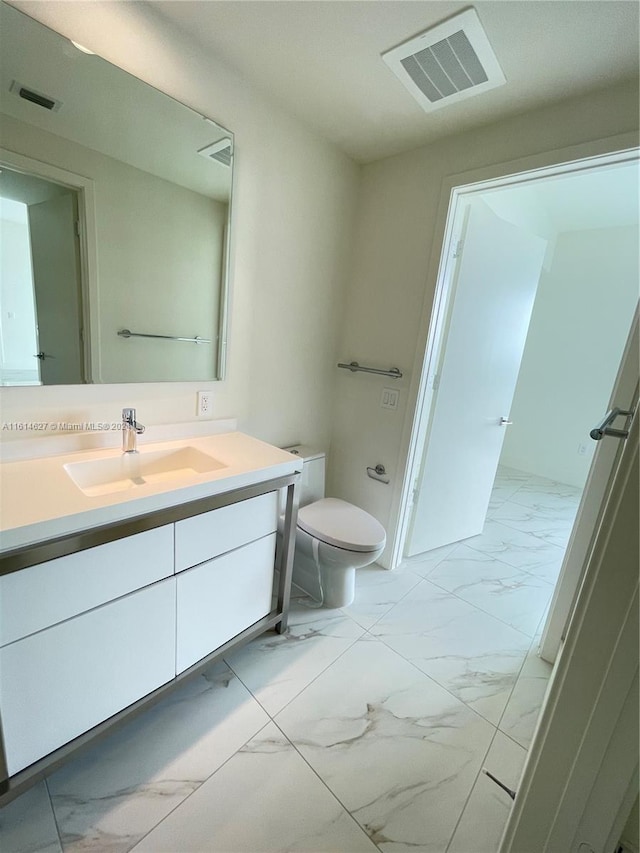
205,536
219,599
56,684
67,586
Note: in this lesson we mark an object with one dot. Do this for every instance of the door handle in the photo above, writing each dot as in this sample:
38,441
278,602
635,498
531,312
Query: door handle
505,422
604,427
42,355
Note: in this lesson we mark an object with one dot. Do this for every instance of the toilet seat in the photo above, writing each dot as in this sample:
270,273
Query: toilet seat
342,524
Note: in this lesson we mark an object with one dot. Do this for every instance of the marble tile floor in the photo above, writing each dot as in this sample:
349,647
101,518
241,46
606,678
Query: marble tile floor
362,729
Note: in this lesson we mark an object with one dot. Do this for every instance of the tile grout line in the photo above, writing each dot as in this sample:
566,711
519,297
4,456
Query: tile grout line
537,535
447,690
481,610
373,638
197,788
419,580
333,794
272,719
515,684
53,812
491,555
475,782
293,698
441,686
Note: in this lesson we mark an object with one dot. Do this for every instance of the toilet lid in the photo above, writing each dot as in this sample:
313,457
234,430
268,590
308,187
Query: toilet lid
342,524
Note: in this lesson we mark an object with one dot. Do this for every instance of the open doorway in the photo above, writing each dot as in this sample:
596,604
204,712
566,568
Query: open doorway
511,508
41,287
542,283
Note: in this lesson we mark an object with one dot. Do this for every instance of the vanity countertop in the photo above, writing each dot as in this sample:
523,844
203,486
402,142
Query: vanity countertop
40,501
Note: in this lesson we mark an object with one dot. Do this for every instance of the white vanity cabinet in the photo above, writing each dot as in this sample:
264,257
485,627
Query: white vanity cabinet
89,635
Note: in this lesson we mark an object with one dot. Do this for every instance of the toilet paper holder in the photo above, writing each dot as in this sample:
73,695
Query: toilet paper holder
378,472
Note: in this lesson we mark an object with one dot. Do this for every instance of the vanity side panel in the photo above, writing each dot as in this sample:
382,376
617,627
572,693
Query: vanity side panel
51,592
205,536
219,599
58,683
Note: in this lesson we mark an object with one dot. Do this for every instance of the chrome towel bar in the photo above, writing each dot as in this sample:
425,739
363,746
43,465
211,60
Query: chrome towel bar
354,367
125,333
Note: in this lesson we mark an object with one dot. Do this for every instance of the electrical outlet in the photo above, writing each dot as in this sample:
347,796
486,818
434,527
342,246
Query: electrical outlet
205,404
582,450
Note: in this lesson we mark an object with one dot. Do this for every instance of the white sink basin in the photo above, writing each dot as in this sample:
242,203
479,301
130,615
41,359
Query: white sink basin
130,470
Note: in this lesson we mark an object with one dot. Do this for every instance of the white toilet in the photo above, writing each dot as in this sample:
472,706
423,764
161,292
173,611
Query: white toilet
333,537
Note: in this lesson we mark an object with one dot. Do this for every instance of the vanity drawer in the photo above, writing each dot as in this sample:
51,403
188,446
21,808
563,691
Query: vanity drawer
67,586
219,599
212,533
59,683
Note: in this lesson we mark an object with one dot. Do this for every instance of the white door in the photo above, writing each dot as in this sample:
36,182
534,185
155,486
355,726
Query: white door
56,279
497,279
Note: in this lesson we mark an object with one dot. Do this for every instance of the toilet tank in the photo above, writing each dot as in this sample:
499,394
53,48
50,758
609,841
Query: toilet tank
312,480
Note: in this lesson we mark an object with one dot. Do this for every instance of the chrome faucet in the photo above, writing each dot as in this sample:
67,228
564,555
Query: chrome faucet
131,429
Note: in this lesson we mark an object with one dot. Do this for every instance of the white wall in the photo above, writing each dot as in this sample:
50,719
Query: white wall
393,274
292,213
569,365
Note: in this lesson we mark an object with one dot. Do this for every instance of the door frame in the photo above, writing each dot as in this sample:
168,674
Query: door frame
456,189
88,244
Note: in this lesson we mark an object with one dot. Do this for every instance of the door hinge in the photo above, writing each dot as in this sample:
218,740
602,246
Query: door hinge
457,250
77,227
436,382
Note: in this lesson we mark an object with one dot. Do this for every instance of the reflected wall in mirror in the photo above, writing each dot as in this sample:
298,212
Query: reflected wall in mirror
114,219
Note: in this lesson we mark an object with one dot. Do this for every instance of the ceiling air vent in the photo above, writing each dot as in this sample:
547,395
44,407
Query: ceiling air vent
447,63
28,94
221,151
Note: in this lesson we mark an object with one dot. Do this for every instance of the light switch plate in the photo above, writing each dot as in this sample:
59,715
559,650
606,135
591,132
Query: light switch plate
389,398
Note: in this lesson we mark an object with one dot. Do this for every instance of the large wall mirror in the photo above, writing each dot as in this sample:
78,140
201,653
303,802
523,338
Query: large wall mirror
115,210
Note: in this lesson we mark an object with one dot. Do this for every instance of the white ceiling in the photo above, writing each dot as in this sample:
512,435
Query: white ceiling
321,59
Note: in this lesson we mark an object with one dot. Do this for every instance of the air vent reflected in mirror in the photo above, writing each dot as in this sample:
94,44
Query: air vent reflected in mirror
221,151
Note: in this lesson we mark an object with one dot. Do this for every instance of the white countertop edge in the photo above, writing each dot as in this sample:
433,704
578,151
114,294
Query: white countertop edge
34,534
83,515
